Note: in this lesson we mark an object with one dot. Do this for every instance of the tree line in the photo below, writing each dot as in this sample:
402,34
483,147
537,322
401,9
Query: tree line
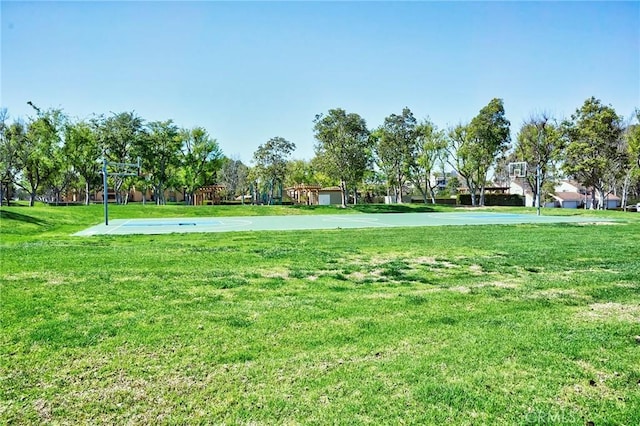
48,155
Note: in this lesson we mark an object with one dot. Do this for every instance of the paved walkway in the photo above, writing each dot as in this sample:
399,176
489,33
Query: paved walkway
302,222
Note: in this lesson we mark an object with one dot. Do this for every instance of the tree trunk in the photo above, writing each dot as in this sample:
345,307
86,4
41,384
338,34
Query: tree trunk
32,198
343,193
423,191
625,190
431,192
472,190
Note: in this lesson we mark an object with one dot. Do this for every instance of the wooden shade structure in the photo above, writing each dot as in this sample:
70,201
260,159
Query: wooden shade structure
303,193
209,194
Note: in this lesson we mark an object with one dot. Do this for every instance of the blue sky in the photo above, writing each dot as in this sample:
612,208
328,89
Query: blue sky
249,71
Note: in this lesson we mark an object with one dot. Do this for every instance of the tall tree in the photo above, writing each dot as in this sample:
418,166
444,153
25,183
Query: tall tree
632,148
429,151
234,175
300,171
540,144
63,179
342,150
271,163
201,158
395,145
10,165
459,157
490,138
82,150
593,154
37,151
120,137
160,153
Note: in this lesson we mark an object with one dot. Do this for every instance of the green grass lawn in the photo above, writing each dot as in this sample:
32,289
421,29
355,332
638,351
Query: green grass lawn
523,324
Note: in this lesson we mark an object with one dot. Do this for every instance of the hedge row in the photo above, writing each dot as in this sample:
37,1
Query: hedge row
494,200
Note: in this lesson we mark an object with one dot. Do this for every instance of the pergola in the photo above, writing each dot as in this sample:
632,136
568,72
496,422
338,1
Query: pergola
303,193
209,194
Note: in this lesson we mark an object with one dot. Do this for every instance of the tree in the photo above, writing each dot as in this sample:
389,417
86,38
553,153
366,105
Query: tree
395,145
10,165
300,171
160,150
271,163
594,155
452,185
120,138
632,148
490,138
234,175
343,147
36,151
63,177
429,150
540,145
82,150
201,158
459,156
633,140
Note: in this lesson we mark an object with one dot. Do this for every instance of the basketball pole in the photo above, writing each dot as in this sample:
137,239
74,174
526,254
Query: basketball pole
538,170
538,187
125,167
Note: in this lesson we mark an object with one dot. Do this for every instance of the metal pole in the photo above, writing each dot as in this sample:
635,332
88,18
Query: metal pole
104,193
538,170
538,187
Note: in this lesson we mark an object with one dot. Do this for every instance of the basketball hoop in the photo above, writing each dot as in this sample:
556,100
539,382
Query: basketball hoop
118,169
518,170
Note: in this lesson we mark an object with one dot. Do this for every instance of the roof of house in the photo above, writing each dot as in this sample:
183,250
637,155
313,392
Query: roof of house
522,183
576,196
573,183
568,196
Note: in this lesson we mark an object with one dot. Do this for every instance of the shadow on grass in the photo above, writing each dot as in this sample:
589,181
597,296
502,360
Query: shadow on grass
5,215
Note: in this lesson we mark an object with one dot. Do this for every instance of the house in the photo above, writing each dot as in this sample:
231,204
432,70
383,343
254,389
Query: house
568,200
570,194
520,186
330,195
439,180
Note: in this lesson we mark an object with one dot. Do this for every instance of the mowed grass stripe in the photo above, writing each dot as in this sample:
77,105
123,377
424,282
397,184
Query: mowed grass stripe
477,325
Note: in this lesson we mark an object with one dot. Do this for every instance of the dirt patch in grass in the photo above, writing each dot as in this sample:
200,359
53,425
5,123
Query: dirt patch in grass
42,408
475,269
612,311
357,276
47,277
498,284
555,293
276,274
460,289
431,261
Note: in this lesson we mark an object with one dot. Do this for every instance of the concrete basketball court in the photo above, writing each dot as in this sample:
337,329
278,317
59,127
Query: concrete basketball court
303,222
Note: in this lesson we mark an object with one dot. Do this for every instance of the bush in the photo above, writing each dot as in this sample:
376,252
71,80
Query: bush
512,200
